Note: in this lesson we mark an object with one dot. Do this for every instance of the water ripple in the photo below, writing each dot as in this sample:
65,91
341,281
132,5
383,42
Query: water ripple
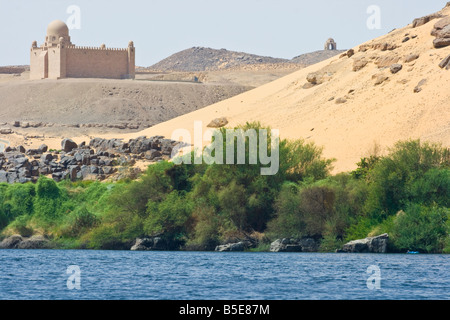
124,275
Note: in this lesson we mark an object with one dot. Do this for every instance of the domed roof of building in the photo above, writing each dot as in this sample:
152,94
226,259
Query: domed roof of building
58,29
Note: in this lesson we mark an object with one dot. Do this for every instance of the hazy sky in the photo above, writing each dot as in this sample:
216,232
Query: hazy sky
159,28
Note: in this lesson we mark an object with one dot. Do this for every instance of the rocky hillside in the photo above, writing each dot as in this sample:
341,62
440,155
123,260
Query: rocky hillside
392,88
308,59
14,69
207,59
97,103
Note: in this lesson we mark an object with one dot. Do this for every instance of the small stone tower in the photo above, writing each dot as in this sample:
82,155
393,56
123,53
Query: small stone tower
330,44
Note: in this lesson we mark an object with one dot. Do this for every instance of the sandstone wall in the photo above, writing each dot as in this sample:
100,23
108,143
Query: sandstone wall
96,63
55,64
38,64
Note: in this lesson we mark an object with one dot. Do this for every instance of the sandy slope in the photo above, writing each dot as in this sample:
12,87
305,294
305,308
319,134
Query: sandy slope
373,114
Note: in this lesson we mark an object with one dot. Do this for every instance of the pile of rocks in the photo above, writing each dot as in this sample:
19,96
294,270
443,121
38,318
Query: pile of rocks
377,244
441,31
19,242
149,244
96,161
424,20
295,245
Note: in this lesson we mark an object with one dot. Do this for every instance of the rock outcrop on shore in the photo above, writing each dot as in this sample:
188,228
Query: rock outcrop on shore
96,161
19,242
294,245
368,245
232,247
149,244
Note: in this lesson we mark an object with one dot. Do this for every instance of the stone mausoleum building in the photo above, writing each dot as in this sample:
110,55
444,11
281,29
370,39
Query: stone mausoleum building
58,58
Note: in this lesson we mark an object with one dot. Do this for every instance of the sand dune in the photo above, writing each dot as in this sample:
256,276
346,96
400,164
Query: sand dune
373,113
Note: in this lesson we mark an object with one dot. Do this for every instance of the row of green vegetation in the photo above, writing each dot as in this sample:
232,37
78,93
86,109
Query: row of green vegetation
196,207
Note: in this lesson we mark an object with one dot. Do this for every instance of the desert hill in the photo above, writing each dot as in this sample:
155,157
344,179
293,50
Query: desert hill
207,59
310,58
104,104
385,90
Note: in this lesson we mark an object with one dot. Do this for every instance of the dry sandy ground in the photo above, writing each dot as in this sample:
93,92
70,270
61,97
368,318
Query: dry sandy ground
88,108
372,115
247,75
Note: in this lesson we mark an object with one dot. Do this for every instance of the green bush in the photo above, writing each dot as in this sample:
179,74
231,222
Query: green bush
18,200
205,231
204,205
421,228
106,237
394,179
169,217
20,226
79,222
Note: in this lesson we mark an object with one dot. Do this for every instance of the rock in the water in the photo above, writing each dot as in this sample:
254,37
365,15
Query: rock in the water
308,245
142,245
368,245
11,242
293,245
35,242
149,244
68,145
232,247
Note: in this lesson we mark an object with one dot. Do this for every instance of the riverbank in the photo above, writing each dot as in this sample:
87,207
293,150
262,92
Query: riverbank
205,206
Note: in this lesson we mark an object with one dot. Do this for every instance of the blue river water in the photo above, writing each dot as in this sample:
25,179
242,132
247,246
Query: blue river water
127,275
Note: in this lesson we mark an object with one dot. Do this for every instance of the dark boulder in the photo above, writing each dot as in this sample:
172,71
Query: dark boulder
11,242
441,42
231,247
294,245
68,145
150,244
368,245
445,63
35,242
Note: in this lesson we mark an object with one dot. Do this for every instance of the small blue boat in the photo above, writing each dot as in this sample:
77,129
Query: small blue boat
413,252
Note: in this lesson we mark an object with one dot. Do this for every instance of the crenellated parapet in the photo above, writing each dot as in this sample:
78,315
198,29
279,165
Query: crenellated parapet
96,48
59,58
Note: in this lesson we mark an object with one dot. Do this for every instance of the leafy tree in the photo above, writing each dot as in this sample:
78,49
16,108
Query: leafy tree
393,178
421,228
